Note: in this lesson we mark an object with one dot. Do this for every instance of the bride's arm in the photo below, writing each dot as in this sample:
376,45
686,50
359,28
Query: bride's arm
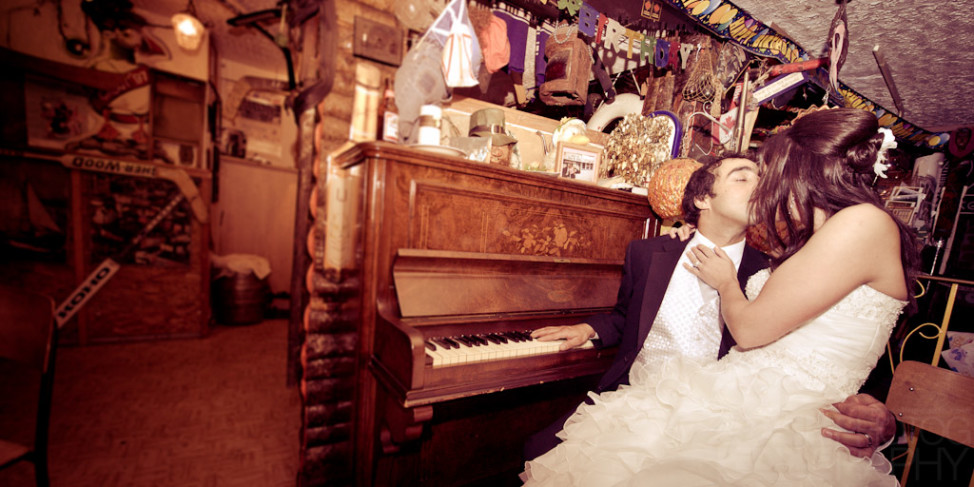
858,245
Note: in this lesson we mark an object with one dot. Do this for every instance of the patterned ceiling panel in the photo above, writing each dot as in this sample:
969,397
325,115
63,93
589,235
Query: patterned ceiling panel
927,46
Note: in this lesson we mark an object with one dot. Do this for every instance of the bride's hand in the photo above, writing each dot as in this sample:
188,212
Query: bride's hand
712,266
682,232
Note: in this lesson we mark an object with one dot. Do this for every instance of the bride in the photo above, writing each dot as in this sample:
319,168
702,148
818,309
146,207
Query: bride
808,333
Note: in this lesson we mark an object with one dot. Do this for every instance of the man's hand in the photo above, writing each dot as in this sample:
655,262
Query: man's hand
574,335
870,423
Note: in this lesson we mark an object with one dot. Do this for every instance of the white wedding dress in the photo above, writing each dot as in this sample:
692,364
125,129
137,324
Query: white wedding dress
750,419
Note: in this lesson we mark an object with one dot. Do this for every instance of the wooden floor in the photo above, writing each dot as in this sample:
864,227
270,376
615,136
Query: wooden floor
205,412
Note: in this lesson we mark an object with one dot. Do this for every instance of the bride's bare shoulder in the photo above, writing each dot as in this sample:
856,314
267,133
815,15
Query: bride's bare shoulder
864,214
859,227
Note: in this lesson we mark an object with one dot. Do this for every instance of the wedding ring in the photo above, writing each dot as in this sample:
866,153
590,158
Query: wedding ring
869,440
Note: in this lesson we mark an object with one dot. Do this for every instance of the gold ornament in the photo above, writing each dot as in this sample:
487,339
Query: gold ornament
636,147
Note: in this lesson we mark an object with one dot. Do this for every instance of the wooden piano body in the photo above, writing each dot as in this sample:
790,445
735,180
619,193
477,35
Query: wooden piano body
412,245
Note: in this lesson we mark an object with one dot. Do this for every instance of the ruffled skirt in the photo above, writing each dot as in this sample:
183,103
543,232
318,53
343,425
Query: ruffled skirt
729,423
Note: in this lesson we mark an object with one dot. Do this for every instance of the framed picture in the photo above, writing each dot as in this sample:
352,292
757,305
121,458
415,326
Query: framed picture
581,162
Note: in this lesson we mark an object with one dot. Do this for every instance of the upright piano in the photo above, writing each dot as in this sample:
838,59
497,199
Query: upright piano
430,271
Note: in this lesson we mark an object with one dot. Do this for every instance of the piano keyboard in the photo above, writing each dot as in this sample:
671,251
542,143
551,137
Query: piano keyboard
465,349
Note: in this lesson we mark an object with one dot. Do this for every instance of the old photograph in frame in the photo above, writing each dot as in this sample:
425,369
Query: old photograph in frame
579,162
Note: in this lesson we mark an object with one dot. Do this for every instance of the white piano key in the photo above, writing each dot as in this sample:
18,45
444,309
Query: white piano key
466,354
451,356
436,356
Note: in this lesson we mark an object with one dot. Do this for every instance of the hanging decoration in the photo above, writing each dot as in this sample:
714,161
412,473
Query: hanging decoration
569,66
728,21
590,21
636,148
961,144
571,6
651,10
662,57
460,61
703,85
730,63
838,46
612,36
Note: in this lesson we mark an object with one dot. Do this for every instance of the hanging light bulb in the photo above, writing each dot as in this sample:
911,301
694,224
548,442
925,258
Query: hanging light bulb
189,30
281,37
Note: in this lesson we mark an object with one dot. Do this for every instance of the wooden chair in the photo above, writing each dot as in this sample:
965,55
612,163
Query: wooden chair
27,349
933,399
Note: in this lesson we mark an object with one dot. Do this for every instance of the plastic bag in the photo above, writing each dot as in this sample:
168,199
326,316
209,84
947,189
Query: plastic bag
458,54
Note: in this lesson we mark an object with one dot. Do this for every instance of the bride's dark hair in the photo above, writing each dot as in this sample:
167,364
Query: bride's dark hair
824,160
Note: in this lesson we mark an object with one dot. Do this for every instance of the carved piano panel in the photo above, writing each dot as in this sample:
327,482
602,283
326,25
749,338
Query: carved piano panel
416,251
451,217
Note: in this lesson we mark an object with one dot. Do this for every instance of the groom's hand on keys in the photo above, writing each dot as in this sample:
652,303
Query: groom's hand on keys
574,335
869,423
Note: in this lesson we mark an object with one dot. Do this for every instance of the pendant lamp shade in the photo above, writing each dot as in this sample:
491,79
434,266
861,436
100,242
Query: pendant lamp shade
189,30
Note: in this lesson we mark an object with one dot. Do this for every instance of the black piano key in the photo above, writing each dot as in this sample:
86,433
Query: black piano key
452,342
479,339
443,343
497,337
430,346
492,339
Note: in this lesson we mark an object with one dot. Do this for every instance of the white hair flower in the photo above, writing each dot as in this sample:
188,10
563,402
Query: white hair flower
889,142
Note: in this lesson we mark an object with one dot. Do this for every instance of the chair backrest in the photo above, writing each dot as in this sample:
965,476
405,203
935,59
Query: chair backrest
933,399
26,327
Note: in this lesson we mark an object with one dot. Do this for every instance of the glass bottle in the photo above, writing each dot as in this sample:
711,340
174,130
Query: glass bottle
388,115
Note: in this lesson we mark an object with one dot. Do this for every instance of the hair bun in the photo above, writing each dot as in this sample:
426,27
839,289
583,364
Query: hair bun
862,155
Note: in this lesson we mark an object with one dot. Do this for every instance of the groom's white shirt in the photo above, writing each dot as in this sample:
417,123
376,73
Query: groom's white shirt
688,322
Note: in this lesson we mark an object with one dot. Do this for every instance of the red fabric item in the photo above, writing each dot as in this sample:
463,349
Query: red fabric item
497,47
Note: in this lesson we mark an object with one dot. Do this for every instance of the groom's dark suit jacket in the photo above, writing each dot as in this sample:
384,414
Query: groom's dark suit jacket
645,276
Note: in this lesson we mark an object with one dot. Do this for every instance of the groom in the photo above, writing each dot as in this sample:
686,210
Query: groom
656,314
